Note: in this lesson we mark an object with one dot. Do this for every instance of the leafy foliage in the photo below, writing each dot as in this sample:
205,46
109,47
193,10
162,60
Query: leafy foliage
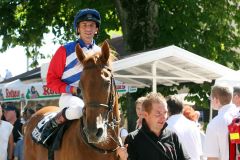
24,22
208,28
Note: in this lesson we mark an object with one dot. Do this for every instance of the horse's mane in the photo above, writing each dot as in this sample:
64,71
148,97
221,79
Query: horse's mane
93,58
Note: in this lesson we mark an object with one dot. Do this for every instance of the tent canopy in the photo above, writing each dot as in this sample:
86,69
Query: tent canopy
167,66
232,79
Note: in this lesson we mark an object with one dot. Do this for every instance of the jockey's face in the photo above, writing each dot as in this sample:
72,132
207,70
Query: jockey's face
87,30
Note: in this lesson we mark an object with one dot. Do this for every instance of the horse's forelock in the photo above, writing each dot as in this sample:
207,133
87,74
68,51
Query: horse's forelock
94,58
91,58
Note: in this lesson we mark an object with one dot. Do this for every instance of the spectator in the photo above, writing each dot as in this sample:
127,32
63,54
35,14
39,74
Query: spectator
191,114
236,96
12,115
1,78
216,144
18,150
138,105
2,106
39,106
6,139
8,74
187,131
153,140
194,116
27,114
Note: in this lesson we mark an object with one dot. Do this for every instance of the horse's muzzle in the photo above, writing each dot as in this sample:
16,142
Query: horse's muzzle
96,135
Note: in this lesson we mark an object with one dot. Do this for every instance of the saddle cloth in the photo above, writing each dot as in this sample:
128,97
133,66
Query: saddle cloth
37,131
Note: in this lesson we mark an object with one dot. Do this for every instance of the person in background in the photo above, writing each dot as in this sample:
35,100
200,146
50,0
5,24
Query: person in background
2,106
191,114
153,141
216,146
6,139
194,116
39,106
19,148
236,96
187,131
8,74
64,70
138,105
1,78
12,115
27,114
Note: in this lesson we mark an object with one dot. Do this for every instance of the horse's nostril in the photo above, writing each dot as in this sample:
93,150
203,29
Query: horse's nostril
99,132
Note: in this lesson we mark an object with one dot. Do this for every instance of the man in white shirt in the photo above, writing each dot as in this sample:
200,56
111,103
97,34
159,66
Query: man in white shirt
186,130
6,139
216,146
236,96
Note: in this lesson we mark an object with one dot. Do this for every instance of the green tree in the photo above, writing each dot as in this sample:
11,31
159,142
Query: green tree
24,22
208,28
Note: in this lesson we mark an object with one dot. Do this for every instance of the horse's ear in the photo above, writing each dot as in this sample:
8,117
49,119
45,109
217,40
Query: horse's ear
105,52
79,52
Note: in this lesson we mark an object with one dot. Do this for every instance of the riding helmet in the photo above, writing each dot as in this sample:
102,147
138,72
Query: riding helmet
87,15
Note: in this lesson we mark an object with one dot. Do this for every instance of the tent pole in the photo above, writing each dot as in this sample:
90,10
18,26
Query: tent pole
154,77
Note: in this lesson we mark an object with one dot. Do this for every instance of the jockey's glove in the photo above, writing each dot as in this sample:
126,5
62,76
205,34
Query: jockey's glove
77,92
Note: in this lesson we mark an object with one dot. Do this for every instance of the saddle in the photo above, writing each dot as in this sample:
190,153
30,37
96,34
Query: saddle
53,141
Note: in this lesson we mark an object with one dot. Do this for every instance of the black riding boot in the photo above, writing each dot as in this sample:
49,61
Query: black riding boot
52,125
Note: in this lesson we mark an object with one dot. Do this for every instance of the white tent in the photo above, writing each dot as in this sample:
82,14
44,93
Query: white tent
232,79
19,91
12,91
167,66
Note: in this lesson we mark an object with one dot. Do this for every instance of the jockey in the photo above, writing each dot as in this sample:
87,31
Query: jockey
65,70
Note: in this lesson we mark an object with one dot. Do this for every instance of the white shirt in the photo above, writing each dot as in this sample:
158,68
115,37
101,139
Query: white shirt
123,132
216,139
5,132
188,134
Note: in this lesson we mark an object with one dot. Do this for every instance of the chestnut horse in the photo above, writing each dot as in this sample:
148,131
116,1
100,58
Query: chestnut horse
95,135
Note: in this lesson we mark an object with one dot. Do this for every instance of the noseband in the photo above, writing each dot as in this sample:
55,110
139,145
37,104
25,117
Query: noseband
109,106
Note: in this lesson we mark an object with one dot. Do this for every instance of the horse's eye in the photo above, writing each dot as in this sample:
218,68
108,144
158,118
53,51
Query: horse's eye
105,74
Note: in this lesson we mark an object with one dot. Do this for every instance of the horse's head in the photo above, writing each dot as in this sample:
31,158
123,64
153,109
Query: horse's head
99,93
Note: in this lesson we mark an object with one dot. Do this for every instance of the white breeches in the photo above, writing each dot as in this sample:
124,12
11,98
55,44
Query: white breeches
74,104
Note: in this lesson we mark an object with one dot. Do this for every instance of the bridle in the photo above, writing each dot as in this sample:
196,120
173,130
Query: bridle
109,106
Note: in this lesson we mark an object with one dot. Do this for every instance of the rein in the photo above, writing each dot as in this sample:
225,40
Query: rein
109,106
83,134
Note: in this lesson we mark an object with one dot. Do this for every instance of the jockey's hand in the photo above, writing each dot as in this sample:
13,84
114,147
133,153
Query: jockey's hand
122,152
77,92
